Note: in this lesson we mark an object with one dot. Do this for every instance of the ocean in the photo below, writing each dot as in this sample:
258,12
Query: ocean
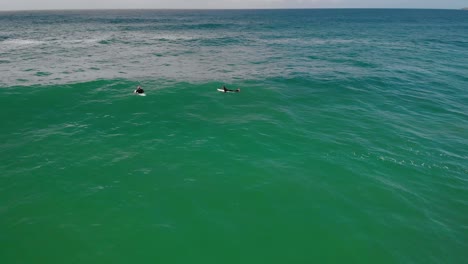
348,142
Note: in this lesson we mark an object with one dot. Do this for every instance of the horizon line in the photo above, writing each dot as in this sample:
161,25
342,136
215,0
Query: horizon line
220,9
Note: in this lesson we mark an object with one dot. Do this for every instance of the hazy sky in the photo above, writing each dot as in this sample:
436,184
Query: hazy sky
189,4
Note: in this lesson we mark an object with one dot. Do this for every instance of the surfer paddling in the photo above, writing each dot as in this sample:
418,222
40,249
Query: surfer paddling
139,90
230,90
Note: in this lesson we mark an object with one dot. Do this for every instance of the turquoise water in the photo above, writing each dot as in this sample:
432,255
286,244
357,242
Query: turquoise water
347,143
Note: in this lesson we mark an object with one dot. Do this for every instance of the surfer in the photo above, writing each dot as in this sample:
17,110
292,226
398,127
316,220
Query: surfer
139,90
230,90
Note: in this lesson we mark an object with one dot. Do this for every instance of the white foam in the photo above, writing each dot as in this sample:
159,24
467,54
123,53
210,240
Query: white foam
22,42
173,37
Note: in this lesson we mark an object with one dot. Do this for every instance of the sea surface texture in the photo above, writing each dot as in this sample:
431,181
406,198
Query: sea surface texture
348,142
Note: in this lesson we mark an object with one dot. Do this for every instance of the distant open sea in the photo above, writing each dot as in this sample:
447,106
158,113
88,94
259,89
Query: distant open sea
348,142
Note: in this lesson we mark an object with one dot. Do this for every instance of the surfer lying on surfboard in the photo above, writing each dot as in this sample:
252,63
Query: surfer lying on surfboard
230,90
139,90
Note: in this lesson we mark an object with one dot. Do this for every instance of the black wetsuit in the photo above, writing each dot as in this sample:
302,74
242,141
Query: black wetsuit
230,90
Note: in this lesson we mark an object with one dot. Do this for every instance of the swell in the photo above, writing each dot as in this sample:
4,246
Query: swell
326,133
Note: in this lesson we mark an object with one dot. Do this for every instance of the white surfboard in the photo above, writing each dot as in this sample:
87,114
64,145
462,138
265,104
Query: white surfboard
140,94
222,90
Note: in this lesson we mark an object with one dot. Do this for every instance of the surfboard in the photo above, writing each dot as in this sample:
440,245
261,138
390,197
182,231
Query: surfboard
140,94
222,90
